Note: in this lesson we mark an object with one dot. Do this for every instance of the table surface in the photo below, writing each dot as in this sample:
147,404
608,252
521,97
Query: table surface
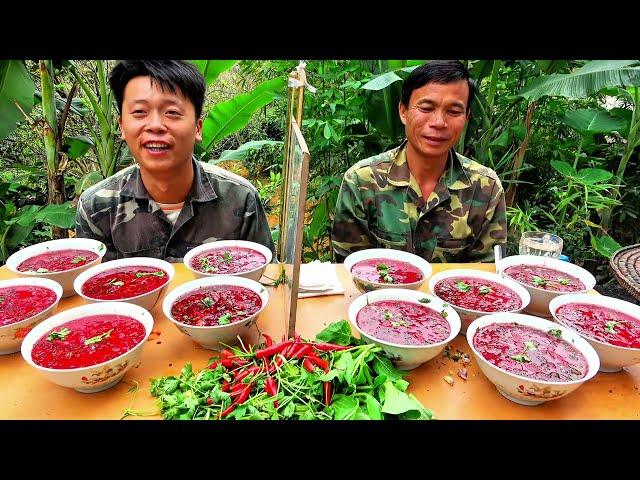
25,394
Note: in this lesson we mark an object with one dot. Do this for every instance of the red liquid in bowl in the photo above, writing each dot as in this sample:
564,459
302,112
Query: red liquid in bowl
21,302
124,282
216,305
373,270
57,261
530,352
545,278
403,323
477,294
225,260
87,341
601,323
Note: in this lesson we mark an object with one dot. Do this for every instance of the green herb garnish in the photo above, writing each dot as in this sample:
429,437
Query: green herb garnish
79,259
98,338
387,315
383,271
59,335
207,302
483,290
1,299
227,257
115,282
530,345
564,281
463,287
539,281
610,326
147,274
444,313
42,270
425,300
556,332
206,266
224,319
520,358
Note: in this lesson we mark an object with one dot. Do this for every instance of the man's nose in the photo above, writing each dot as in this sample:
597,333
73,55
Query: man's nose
155,121
438,119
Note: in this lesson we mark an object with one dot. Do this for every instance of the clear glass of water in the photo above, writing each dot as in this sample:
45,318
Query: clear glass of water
540,243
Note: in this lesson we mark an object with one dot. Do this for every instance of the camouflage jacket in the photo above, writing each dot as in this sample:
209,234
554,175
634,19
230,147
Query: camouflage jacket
380,205
220,206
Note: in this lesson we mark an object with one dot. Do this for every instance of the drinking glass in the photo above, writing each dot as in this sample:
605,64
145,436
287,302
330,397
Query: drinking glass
540,243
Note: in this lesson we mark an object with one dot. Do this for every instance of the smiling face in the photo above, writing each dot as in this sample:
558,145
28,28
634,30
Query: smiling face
435,118
160,127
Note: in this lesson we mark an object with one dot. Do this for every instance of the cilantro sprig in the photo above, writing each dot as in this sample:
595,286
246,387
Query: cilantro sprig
227,257
207,302
159,273
206,266
383,272
224,319
485,289
98,338
522,357
79,259
462,286
610,326
556,332
60,335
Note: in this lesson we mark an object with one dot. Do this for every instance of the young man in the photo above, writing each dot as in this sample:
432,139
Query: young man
168,203
423,197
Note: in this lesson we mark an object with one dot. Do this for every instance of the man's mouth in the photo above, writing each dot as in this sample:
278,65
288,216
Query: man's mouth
156,146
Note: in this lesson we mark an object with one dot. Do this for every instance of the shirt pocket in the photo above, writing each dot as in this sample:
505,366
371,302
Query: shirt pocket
450,249
394,240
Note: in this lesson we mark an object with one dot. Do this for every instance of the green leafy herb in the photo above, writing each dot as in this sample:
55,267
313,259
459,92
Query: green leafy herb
610,326
556,332
207,302
387,315
206,266
463,287
59,335
444,313
399,323
1,299
79,259
383,271
227,257
224,319
483,290
337,332
564,281
539,281
147,274
42,270
115,282
531,345
98,338
425,300
521,358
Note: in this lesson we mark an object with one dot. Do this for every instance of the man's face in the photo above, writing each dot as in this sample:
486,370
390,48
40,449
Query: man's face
435,117
160,127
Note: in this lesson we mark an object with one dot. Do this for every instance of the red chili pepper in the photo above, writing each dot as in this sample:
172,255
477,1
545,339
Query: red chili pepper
267,340
213,365
228,410
241,362
227,363
329,347
271,387
302,351
320,362
226,353
327,390
272,350
236,388
275,364
209,401
286,353
308,366
241,374
225,386
244,394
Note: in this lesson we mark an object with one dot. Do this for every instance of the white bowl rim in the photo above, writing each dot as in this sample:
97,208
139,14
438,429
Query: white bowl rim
522,292
258,247
17,259
81,279
589,284
423,265
593,369
144,314
394,291
198,283
582,297
32,282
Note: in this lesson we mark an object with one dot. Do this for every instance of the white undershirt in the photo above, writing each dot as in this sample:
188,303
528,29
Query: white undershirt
171,210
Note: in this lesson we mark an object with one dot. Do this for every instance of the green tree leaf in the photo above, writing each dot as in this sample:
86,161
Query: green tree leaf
16,86
381,81
211,69
77,146
591,176
337,332
243,150
605,246
87,181
63,216
564,168
590,122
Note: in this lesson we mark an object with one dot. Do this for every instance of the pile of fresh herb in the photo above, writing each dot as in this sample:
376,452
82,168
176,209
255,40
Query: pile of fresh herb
341,378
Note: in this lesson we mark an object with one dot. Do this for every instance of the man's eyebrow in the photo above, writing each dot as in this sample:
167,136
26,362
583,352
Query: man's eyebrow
169,101
426,101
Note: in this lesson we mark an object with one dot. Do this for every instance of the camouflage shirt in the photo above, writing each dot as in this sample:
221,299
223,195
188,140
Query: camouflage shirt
380,205
119,212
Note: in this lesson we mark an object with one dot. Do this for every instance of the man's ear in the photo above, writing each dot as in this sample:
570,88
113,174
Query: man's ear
199,130
121,129
402,110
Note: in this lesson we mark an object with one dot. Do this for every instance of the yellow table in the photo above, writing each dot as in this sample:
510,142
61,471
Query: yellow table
25,394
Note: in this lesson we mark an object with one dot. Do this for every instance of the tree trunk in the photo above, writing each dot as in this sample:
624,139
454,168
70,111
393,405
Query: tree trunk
517,164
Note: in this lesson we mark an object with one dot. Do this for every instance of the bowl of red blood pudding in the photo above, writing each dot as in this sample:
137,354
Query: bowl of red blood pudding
214,311
530,360
239,258
137,280
58,260
610,325
88,348
24,302
473,293
411,327
545,279
377,268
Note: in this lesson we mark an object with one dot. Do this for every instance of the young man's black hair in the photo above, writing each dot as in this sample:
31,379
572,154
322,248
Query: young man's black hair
437,71
168,74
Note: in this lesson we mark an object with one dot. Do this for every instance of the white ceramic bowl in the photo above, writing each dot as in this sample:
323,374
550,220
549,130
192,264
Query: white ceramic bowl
524,390
406,357
11,335
467,315
540,298
67,277
366,286
146,300
612,357
215,336
96,377
254,274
